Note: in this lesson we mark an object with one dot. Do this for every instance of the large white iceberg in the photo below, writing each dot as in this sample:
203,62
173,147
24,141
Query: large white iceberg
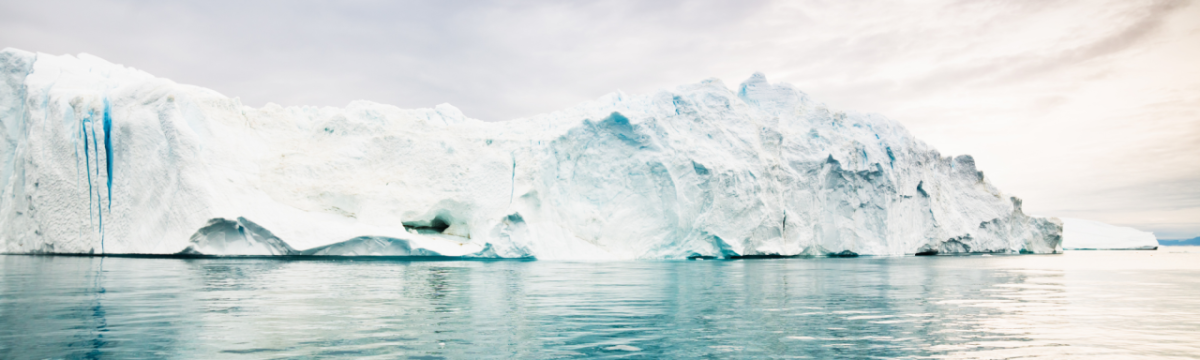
100,158
1080,234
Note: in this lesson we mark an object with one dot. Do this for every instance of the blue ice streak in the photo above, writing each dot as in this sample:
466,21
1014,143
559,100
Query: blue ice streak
87,159
108,148
99,204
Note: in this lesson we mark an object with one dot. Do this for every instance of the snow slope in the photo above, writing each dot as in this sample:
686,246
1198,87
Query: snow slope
100,158
1079,234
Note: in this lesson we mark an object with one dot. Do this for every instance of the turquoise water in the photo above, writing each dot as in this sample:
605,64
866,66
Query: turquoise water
1119,305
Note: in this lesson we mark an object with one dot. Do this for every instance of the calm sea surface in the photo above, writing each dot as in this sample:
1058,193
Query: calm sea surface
1117,304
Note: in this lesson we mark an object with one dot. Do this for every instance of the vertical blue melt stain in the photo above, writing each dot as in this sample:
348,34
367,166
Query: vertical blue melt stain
513,190
108,148
87,151
99,202
87,159
100,315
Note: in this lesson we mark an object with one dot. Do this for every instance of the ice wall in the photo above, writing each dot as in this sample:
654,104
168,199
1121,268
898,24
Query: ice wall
100,158
1080,234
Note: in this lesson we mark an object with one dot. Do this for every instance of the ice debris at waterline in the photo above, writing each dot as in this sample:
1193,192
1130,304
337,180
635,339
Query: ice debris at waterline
101,158
1079,234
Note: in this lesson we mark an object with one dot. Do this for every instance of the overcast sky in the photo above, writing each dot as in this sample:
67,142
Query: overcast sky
1085,109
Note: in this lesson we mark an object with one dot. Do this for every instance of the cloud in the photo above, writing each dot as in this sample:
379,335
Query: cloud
1079,107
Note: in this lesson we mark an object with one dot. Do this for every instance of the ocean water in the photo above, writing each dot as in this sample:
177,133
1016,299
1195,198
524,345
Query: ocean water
1093,305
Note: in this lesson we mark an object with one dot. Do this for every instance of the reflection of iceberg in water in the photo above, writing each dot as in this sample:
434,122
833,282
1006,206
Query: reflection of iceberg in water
73,309
939,307
95,308
97,341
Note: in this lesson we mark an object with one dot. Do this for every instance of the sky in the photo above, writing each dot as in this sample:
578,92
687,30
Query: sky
1087,109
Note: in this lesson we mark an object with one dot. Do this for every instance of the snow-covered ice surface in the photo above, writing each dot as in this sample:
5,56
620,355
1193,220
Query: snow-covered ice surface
101,158
1079,234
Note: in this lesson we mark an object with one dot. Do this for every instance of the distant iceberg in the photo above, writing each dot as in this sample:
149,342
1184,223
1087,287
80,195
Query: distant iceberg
1079,234
100,158
1180,242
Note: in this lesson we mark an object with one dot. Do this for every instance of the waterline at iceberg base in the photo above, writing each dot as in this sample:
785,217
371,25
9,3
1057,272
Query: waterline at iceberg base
103,159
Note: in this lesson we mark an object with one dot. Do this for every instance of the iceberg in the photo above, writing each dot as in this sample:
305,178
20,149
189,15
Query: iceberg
1080,234
224,237
370,246
1180,242
99,158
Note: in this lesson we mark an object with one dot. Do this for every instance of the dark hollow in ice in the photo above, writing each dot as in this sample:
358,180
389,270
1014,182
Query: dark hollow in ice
436,226
844,254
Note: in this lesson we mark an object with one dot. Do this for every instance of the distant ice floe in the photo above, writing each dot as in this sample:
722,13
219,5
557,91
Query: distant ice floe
1079,234
104,159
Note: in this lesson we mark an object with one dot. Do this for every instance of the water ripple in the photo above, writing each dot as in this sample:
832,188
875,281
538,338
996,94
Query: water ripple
1078,305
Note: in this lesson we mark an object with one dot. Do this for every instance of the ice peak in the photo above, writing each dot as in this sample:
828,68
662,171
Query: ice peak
757,91
756,78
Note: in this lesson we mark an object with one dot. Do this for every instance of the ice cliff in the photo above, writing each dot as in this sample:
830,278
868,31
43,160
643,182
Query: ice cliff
101,158
1079,234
